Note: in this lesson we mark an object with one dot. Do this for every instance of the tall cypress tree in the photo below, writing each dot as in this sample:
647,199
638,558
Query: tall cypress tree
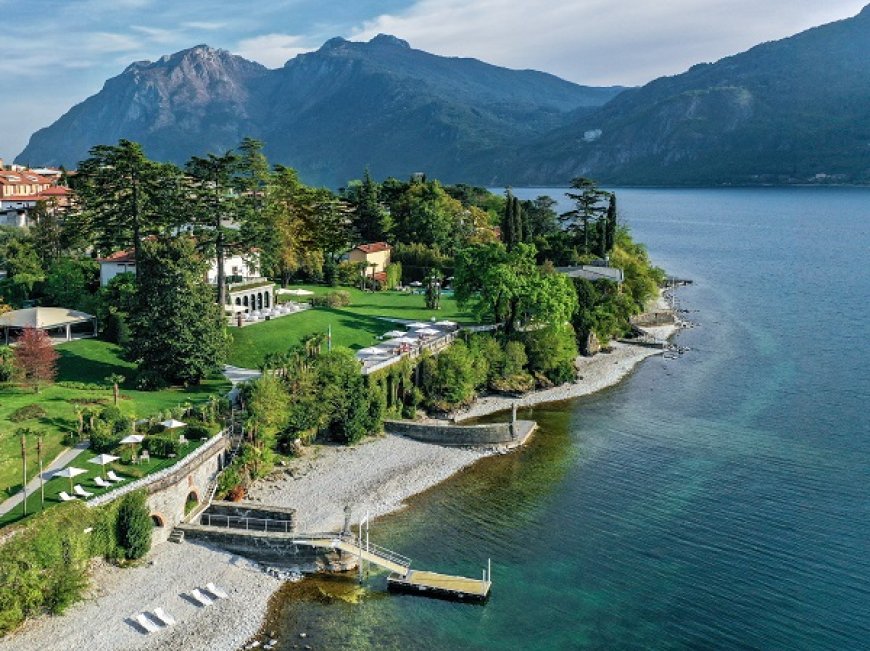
518,230
508,222
610,230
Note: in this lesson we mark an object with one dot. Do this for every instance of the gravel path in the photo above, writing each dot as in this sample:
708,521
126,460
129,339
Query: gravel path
377,476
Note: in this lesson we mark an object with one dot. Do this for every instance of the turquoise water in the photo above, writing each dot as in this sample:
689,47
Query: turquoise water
721,500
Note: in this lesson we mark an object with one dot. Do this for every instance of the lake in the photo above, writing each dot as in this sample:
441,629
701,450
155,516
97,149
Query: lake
720,500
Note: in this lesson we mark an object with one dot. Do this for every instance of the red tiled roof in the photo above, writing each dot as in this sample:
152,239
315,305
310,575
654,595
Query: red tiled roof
381,276
374,247
56,191
119,257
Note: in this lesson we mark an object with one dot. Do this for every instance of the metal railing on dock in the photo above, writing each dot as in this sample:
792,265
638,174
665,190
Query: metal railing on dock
266,525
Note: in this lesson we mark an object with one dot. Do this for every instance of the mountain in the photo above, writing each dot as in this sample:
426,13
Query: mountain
789,111
327,113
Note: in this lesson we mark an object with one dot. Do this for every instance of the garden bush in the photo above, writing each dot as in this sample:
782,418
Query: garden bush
162,445
197,432
27,412
133,526
337,298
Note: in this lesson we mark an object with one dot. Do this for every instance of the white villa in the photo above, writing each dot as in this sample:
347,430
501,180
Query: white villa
247,289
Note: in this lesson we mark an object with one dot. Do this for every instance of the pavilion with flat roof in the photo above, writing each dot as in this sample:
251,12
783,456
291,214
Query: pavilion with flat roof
50,319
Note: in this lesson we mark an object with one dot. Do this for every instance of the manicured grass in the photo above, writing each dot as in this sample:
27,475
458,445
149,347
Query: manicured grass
398,305
54,486
356,326
88,361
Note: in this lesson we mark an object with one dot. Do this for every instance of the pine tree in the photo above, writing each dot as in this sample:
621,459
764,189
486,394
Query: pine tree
177,333
373,222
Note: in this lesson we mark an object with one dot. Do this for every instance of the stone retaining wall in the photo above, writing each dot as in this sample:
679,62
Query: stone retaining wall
448,433
275,549
664,317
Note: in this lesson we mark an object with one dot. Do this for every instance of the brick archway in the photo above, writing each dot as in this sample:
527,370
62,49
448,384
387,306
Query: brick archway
158,519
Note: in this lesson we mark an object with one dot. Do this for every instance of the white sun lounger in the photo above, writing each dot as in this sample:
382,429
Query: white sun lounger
211,588
65,497
146,623
163,617
101,483
81,492
200,598
113,477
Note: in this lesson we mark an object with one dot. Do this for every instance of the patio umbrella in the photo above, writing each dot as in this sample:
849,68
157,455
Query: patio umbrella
406,340
446,324
394,333
172,423
415,283
417,324
132,440
102,460
428,331
70,472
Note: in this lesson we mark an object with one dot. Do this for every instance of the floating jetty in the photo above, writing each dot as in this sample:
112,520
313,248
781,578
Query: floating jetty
442,586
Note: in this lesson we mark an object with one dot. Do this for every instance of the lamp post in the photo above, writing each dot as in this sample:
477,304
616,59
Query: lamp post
24,473
41,478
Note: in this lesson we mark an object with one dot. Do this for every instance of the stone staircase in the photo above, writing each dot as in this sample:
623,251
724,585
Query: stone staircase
177,536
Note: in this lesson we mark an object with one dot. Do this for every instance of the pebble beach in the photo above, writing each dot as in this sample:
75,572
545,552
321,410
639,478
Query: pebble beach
374,477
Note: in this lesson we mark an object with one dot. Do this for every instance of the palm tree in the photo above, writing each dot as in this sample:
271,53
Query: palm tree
116,380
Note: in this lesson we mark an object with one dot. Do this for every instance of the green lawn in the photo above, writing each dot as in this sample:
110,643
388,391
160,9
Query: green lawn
130,472
91,361
356,326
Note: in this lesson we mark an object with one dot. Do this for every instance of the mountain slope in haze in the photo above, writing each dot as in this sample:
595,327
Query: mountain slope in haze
327,113
194,101
788,111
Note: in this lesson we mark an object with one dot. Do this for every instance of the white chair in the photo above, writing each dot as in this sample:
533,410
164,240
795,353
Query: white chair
211,588
81,492
102,483
147,624
200,598
163,617
65,497
113,477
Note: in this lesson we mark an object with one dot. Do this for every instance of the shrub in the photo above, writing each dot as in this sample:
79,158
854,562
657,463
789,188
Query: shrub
7,364
197,432
337,298
133,526
104,438
449,380
27,412
162,445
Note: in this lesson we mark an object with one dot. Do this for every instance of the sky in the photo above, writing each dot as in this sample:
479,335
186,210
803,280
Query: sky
58,52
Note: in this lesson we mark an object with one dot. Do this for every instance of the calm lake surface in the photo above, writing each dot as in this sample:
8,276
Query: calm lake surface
721,500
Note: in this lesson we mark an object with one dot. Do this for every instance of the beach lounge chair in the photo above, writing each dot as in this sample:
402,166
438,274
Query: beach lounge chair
146,623
113,477
102,483
211,588
163,617
65,497
81,492
200,598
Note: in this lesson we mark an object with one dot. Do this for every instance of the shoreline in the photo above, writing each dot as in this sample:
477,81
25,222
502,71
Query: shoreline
376,477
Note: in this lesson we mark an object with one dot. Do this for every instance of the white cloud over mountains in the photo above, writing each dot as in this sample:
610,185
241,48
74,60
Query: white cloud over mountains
601,42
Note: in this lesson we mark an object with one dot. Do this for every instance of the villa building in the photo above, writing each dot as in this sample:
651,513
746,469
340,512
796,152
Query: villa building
21,189
376,257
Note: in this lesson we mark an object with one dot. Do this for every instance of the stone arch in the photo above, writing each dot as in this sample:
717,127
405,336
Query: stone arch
158,519
192,500
238,301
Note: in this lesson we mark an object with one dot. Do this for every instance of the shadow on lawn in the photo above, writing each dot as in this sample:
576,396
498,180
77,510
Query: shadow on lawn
73,367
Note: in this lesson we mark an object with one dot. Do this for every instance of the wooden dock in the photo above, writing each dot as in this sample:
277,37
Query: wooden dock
442,586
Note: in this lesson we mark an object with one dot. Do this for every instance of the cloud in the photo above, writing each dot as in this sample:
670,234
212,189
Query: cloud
272,50
205,26
599,41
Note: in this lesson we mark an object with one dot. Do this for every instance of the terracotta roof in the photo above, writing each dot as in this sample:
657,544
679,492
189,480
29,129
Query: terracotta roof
22,178
374,247
119,257
56,191
381,276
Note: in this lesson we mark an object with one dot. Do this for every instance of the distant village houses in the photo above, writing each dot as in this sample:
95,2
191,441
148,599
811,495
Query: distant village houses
22,188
